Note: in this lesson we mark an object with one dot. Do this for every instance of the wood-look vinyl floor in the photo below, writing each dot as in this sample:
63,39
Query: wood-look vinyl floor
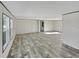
18,51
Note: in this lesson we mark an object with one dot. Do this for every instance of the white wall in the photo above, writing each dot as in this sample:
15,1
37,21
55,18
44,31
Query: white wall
48,25
6,51
57,25
71,29
26,26
52,25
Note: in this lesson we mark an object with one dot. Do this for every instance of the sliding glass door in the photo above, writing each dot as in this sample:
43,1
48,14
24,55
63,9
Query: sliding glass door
6,30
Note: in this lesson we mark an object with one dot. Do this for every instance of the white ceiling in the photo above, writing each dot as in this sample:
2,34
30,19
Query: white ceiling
45,10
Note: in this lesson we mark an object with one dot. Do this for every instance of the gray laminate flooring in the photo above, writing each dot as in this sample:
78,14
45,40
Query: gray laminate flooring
39,45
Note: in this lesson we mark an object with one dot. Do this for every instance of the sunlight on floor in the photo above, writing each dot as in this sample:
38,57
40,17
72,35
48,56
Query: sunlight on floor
52,33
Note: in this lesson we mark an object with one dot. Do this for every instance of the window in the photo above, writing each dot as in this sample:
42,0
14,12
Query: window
6,30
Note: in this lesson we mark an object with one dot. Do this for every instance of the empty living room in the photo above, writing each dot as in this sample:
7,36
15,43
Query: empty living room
39,29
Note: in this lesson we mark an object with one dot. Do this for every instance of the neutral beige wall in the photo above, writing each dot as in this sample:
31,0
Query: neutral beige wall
5,53
71,29
57,25
53,25
26,26
48,25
